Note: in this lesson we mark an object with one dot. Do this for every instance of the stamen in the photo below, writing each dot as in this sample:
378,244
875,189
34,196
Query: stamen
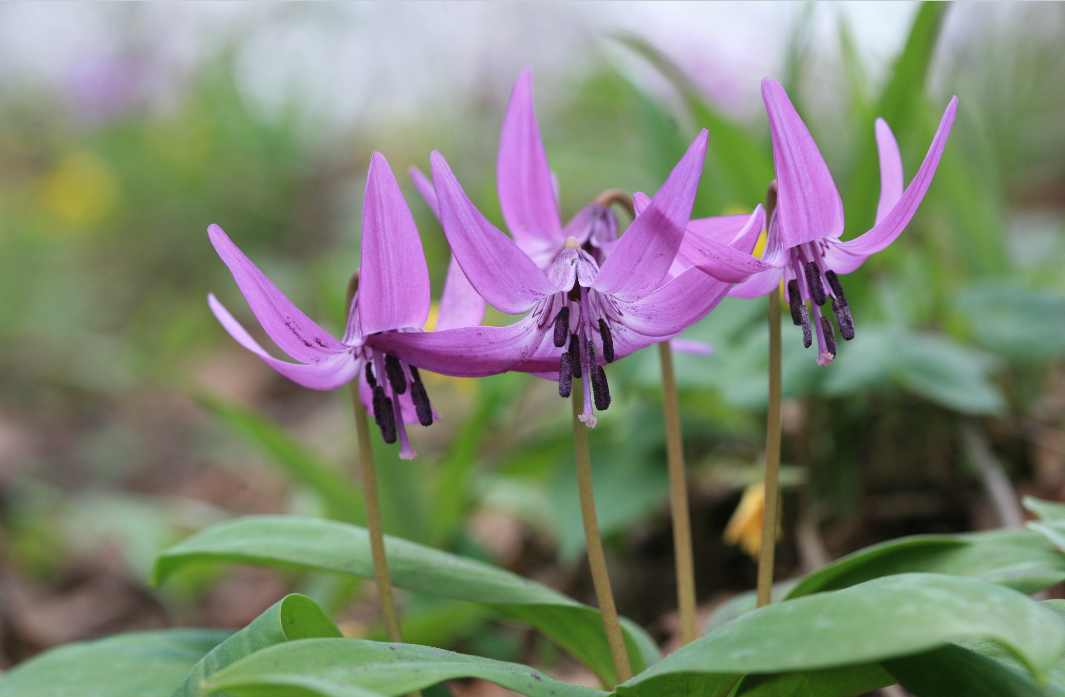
843,317
565,375
600,388
394,371
370,379
837,289
813,282
420,397
608,341
562,327
807,332
795,301
383,416
830,336
575,356
571,243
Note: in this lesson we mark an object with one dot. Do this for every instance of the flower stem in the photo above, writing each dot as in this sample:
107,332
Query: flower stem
772,458
678,499
596,558
373,519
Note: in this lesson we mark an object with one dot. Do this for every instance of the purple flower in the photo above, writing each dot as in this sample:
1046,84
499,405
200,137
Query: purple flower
803,244
586,308
393,297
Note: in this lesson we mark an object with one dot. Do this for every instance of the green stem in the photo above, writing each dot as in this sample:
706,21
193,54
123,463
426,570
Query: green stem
772,458
678,499
373,519
596,558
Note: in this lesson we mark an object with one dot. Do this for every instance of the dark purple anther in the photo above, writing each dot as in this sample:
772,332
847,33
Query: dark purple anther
562,327
396,378
830,336
843,318
807,333
370,379
795,300
575,356
813,282
383,415
600,388
565,375
420,397
837,289
608,341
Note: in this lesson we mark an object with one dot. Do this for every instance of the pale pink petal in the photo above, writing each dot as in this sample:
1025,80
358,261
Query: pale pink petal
691,346
722,261
460,304
891,182
502,273
808,202
675,306
758,285
393,276
639,261
291,330
526,192
330,372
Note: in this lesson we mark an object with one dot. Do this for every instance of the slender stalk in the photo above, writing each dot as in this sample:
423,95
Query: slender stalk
678,499
596,558
368,472
772,458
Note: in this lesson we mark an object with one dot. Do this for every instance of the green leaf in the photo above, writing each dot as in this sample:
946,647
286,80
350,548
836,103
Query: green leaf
1015,558
137,664
952,671
1020,324
341,548
875,621
846,681
331,667
343,501
293,617
1047,511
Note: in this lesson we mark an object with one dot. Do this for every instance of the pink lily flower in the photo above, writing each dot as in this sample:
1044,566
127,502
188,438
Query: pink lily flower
393,297
803,246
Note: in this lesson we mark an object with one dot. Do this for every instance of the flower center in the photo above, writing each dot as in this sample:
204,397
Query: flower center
387,410
805,265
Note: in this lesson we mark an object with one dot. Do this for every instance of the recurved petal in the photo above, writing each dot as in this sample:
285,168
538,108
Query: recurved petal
526,190
758,285
393,276
675,306
330,372
722,228
723,262
641,258
891,182
460,305
844,257
501,272
467,352
425,189
291,330
808,203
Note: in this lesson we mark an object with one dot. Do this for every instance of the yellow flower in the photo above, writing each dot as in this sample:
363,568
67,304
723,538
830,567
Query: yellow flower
745,526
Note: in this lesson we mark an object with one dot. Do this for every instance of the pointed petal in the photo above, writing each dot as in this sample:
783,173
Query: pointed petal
722,228
460,304
844,257
503,274
891,182
808,202
468,351
722,261
675,306
291,330
641,258
425,189
758,285
332,370
692,346
526,192
393,276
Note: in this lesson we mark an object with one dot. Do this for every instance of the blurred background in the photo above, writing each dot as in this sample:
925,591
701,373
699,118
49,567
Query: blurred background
129,419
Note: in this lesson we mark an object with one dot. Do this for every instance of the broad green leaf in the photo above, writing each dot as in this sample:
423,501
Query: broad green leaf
1018,559
137,664
846,681
952,670
1047,511
342,499
333,667
1015,322
341,548
875,621
293,617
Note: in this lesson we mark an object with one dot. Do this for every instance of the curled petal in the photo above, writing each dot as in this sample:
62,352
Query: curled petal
291,330
695,348
526,189
891,182
675,306
808,202
844,257
425,189
722,261
329,373
460,304
758,285
501,272
641,258
393,277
